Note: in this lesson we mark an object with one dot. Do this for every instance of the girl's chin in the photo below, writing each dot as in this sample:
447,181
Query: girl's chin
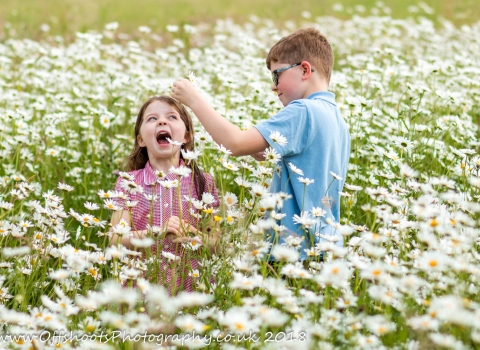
164,153
164,146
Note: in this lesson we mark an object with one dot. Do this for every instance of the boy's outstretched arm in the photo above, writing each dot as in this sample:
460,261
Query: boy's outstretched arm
239,142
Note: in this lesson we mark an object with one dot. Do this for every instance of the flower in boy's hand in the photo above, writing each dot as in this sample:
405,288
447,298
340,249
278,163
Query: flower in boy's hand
193,79
174,143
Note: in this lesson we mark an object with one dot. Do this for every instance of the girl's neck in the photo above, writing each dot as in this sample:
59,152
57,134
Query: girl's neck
164,164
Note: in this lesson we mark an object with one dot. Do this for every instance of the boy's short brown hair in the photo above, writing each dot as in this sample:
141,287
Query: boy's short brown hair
306,44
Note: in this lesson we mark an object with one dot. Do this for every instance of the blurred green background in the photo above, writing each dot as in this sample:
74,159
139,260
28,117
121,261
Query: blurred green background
64,17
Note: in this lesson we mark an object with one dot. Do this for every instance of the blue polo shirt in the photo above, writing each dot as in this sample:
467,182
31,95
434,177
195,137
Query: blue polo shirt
318,143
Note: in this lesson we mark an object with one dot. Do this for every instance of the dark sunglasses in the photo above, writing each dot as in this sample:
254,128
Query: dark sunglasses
275,75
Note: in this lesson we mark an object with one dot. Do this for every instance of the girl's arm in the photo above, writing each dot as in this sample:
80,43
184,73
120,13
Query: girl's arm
125,241
173,228
209,240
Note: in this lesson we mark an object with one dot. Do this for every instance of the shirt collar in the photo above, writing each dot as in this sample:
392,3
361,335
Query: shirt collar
149,176
327,96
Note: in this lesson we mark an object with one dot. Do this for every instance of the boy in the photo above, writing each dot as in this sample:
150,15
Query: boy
318,141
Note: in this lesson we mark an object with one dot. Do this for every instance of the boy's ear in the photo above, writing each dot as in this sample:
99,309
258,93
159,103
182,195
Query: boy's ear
307,69
140,141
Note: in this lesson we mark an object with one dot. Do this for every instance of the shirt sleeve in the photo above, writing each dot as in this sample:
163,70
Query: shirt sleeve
293,122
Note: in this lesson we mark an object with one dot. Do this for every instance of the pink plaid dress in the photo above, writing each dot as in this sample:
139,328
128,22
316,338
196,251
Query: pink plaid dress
169,202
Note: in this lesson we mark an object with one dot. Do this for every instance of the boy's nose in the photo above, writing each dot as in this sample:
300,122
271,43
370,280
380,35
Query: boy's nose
162,123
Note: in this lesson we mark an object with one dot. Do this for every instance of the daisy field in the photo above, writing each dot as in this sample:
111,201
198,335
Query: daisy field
407,275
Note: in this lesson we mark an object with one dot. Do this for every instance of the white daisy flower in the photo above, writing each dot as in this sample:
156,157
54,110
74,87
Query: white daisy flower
278,138
295,169
65,187
91,206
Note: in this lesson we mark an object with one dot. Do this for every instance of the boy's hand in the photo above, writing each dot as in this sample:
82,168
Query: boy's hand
260,156
184,92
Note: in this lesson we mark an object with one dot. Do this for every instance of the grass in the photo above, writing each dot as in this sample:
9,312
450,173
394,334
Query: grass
65,17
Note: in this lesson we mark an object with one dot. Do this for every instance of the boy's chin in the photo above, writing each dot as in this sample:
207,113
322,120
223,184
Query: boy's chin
283,101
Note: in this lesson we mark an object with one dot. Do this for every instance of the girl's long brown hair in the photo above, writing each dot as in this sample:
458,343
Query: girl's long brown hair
138,158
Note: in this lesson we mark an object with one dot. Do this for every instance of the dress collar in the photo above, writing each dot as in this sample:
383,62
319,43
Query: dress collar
149,176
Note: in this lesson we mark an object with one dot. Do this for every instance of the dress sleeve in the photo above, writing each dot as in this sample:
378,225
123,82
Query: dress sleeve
119,201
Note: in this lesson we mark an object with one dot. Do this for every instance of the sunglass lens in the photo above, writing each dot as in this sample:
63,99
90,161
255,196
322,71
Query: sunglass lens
275,79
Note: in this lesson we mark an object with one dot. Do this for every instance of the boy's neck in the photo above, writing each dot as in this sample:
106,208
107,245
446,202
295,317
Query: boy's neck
316,86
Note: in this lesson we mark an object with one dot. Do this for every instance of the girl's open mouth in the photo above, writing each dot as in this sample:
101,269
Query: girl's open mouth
162,137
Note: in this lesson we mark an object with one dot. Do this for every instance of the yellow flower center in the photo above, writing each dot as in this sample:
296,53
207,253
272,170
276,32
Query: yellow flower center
239,326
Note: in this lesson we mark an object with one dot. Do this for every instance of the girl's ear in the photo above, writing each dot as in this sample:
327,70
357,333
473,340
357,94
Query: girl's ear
140,141
186,138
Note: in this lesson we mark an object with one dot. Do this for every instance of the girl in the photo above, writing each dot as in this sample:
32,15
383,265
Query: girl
163,194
